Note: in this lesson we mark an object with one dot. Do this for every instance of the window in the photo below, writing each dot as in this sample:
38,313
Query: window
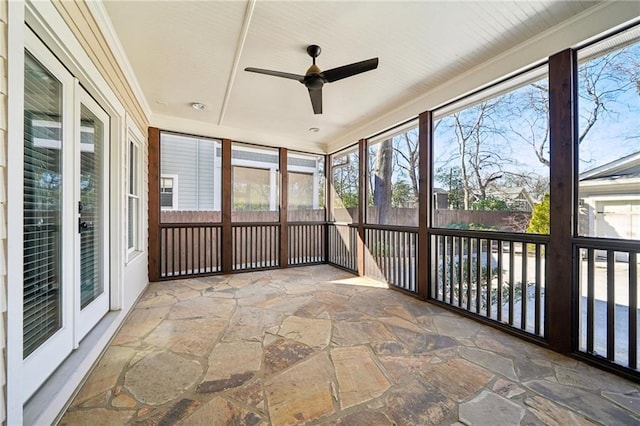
133,199
305,193
392,193
345,185
491,159
255,183
167,199
190,178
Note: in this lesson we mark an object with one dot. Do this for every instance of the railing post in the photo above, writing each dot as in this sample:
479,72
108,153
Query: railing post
154,204
560,319
328,211
425,139
227,231
362,203
284,231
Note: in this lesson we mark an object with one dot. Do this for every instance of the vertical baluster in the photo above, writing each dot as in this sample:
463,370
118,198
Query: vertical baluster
500,281
193,253
591,301
436,257
538,296
444,266
511,279
165,248
478,275
633,310
452,280
469,279
523,292
460,270
489,278
611,305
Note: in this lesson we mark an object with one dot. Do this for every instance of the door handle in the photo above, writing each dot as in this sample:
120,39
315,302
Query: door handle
82,225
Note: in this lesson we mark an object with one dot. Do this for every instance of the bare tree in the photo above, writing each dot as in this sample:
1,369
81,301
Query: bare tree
480,149
382,185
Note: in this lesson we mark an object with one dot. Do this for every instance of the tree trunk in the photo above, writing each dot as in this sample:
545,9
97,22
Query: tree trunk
382,181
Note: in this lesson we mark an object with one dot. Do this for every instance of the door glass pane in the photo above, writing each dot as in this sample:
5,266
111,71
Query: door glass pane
91,211
42,205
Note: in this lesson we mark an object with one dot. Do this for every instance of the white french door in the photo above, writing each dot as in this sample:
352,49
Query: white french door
92,188
65,220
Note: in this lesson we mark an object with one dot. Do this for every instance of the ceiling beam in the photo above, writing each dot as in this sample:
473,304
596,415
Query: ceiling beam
248,14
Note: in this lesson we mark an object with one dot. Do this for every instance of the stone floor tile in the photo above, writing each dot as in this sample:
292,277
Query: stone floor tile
140,323
251,394
282,354
220,411
228,359
161,377
363,418
490,360
399,367
348,333
202,308
96,417
359,378
401,312
507,389
490,409
417,403
105,376
630,401
552,414
592,406
458,379
312,332
591,378
195,337
301,394
456,327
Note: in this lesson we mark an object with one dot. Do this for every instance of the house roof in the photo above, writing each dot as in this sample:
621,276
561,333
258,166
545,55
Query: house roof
625,167
430,52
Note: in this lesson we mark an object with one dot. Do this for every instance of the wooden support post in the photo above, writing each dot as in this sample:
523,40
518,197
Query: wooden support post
362,204
284,231
560,323
227,231
425,146
154,204
328,211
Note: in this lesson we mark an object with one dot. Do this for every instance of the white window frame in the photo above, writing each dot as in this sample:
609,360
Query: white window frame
174,204
134,173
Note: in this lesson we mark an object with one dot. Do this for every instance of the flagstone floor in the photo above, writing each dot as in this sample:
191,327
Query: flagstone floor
316,345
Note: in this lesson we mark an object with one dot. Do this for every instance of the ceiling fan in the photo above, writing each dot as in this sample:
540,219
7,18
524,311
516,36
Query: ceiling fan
315,78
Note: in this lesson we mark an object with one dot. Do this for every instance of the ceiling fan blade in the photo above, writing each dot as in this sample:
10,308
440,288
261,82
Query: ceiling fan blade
345,71
290,76
316,100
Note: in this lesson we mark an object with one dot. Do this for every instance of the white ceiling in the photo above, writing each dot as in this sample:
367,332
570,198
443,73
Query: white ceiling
196,51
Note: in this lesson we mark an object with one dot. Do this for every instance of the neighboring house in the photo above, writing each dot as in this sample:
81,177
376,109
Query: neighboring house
191,176
518,199
440,198
610,199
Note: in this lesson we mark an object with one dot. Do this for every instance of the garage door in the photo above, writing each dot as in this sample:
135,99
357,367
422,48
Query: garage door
618,219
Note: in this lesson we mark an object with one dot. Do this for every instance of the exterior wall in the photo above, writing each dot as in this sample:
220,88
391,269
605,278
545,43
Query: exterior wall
3,222
75,38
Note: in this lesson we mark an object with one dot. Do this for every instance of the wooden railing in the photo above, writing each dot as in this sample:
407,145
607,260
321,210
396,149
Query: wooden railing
306,243
343,246
498,276
391,255
607,289
189,249
255,246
